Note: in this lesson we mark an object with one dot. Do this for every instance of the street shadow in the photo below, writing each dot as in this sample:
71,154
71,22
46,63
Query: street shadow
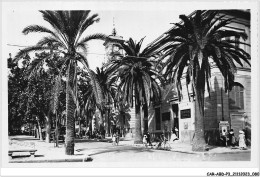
92,140
25,156
134,150
24,139
116,149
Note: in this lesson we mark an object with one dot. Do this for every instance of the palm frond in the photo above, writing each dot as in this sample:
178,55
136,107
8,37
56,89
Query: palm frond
22,53
92,37
35,29
52,42
34,67
96,87
82,58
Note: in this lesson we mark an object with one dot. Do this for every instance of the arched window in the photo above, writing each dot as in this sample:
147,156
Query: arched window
236,97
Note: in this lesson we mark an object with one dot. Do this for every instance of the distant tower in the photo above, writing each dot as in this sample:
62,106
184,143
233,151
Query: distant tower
113,48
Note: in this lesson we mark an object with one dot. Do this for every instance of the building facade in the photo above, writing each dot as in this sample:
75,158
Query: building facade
232,108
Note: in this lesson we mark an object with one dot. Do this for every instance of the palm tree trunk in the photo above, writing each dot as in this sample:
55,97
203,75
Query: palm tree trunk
199,143
79,128
138,130
70,108
56,131
108,122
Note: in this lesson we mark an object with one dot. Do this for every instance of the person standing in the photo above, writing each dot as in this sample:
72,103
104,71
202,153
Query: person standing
174,135
145,140
148,139
176,130
224,137
117,138
232,139
114,139
242,142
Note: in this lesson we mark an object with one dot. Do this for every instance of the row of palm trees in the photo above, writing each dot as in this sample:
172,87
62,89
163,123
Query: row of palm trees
138,77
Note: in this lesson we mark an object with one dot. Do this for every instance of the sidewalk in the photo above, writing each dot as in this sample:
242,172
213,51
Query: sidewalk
178,146
46,152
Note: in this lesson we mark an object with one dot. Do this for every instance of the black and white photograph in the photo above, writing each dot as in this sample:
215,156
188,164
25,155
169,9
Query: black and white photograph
149,88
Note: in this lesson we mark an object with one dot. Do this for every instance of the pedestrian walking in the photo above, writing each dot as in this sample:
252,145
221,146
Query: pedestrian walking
242,141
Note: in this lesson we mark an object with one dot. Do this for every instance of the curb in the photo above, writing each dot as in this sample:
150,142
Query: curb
191,152
87,159
208,152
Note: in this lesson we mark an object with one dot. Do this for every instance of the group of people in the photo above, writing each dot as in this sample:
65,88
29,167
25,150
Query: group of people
161,139
229,138
96,134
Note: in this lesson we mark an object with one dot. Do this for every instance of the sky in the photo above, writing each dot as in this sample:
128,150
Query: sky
128,23
148,19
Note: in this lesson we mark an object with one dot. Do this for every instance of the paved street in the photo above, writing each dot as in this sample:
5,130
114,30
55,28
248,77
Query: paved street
133,154
104,154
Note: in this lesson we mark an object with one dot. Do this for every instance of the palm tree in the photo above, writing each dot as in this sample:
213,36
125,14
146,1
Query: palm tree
188,49
98,90
106,79
138,82
91,93
122,116
65,38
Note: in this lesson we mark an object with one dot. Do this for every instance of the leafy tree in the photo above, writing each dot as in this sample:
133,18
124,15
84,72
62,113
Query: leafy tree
138,75
40,94
17,85
188,49
65,38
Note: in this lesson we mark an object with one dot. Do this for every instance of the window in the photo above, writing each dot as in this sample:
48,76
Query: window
236,98
158,118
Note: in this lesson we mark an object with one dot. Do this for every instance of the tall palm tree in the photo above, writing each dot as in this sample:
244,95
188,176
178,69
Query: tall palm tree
138,75
107,80
66,38
190,46
91,93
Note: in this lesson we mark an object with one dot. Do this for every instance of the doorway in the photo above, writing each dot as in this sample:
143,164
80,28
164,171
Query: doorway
175,110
